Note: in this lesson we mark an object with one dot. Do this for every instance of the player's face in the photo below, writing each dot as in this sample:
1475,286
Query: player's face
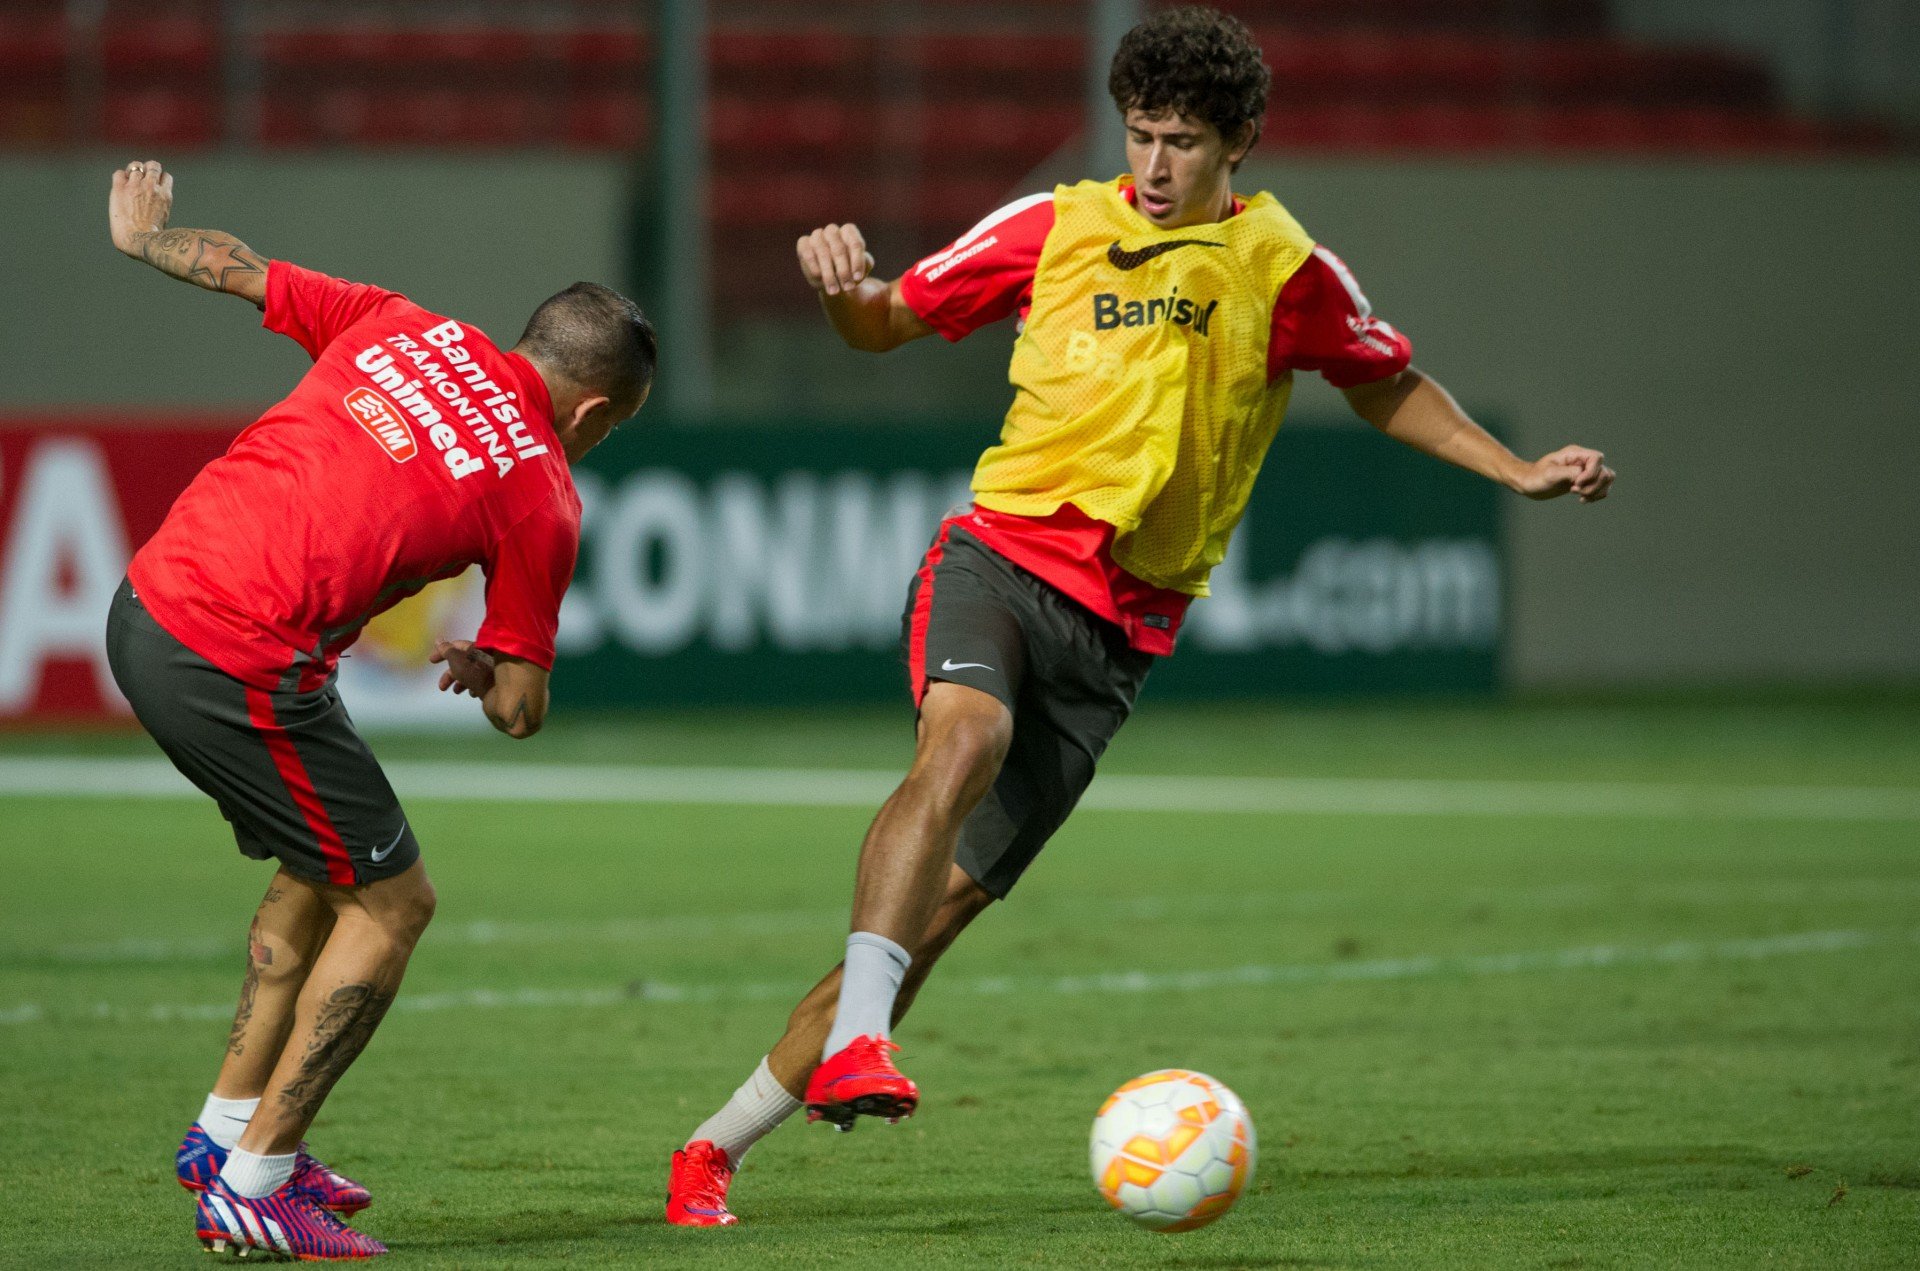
1182,168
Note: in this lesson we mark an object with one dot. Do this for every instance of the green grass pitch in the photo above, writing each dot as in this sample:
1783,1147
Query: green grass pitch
1590,1038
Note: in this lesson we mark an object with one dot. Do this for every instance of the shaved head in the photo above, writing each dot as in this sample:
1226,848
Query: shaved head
598,339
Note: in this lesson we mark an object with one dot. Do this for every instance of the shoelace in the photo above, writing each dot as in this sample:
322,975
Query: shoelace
709,1179
325,1217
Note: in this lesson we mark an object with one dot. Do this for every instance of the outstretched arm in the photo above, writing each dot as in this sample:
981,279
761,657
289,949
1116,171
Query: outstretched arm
137,213
868,313
1416,411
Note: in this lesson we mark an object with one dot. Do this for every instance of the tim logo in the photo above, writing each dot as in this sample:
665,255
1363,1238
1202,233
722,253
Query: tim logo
383,423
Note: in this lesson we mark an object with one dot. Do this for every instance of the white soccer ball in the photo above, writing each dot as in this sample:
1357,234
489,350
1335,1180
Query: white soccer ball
1172,1150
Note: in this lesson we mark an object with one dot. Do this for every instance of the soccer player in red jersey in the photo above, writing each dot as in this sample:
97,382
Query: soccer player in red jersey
414,448
1163,319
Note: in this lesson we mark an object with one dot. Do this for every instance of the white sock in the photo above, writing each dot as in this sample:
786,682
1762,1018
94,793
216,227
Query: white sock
225,1120
255,1176
756,1109
869,982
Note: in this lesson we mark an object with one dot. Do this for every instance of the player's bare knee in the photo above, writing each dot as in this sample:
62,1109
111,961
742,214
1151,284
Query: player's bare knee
403,915
970,744
418,911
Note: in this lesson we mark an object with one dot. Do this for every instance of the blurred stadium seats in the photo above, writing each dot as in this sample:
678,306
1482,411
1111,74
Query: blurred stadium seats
844,111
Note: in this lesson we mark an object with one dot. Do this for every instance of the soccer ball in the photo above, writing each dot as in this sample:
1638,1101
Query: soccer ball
1172,1150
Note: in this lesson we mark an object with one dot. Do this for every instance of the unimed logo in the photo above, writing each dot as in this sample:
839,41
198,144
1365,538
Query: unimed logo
383,423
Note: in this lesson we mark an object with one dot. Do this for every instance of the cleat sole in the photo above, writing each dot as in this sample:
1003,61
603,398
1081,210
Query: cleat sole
843,1115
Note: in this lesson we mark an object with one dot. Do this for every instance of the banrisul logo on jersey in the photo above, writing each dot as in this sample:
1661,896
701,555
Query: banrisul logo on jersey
1110,312
772,564
447,384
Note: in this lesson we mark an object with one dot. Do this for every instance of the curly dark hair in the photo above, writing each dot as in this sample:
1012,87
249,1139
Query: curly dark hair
1195,61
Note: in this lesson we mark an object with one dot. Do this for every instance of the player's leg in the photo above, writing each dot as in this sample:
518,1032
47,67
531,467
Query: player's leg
907,855
288,929
375,929
967,653
797,1053
1079,690
262,1197
286,934
205,722
703,1169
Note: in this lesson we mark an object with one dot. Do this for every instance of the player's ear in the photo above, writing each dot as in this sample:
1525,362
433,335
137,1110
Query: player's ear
590,408
1241,142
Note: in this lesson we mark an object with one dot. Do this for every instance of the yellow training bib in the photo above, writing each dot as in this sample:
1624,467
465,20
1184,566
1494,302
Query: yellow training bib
1141,393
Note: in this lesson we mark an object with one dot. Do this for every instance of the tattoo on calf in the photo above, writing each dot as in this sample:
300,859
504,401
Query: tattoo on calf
347,1020
258,955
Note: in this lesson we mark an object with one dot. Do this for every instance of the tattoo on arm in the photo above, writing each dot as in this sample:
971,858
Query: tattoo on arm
347,1020
508,720
206,258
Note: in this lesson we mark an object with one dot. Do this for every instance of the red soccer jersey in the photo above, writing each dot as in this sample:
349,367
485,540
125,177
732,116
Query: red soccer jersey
414,448
1322,322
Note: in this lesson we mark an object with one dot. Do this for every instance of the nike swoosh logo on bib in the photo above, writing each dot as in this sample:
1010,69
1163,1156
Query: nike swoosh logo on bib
1140,256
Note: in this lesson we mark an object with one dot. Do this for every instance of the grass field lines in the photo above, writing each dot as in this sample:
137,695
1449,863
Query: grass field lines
1132,981
106,777
680,928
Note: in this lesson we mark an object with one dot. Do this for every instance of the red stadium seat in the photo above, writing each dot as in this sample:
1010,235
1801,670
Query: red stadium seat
33,41
606,119
774,129
34,115
176,42
170,116
605,48
809,107
785,53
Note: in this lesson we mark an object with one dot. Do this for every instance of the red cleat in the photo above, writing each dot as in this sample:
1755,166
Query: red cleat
697,1187
860,1081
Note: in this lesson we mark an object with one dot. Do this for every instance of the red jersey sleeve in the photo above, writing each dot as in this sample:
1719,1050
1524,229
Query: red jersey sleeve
312,308
527,575
1323,322
985,274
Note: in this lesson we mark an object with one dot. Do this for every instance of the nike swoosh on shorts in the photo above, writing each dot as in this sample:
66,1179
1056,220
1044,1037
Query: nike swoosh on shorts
1140,256
951,665
387,851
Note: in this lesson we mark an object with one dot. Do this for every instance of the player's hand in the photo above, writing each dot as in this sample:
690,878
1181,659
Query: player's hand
140,204
834,258
469,670
1568,470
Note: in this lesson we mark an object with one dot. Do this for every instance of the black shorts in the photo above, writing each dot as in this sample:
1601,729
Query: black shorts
287,768
1070,679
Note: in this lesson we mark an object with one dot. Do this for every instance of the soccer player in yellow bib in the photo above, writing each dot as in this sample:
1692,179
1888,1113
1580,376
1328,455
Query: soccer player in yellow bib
1164,320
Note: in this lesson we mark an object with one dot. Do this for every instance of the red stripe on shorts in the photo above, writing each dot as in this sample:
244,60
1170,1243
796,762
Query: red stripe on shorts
294,773
922,615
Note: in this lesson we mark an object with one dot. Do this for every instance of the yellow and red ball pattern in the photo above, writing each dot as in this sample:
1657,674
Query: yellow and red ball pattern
1172,1149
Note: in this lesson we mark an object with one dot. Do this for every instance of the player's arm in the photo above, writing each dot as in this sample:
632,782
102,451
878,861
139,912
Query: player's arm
137,214
868,313
512,692
1418,412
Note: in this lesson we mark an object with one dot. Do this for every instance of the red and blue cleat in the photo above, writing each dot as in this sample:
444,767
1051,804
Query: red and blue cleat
697,1186
860,1081
287,1224
199,1159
